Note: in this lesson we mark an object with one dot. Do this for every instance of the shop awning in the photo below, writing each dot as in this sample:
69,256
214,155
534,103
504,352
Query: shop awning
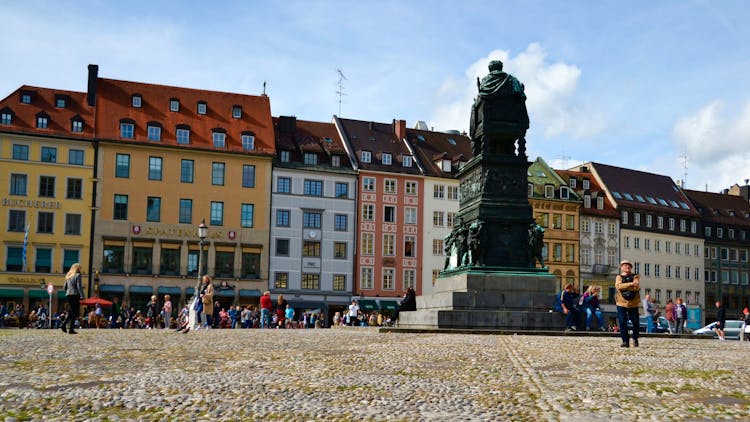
38,294
250,293
190,291
112,288
169,290
367,305
62,294
141,290
300,307
224,292
388,305
12,293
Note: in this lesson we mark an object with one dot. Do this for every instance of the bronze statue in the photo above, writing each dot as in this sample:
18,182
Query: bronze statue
475,243
499,116
448,242
536,244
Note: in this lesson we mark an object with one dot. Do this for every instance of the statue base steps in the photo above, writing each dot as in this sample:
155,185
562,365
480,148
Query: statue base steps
488,299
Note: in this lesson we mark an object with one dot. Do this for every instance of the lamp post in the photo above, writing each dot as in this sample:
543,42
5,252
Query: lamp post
202,231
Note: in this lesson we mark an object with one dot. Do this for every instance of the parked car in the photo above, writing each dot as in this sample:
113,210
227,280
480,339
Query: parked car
732,330
661,327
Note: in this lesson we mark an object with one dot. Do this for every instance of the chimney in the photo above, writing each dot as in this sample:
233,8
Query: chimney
584,169
287,124
93,80
399,128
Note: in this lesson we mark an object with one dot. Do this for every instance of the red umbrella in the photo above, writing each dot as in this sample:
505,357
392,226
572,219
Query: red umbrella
94,300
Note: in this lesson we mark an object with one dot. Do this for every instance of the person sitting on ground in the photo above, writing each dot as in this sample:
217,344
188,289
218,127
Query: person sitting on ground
591,307
568,301
408,303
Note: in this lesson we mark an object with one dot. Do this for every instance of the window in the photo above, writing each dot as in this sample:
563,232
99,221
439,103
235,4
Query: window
437,247
18,184
340,222
406,161
174,105
387,159
585,256
636,218
310,281
556,221
49,155
366,278
564,192
282,218
224,263
248,142
313,187
183,136
282,247
335,161
549,191
153,208
47,186
368,212
410,246
368,244
26,97
310,159
75,156
250,265
649,220
438,192
70,257
389,186
186,171
154,133
284,156
122,165
154,168
42,121
624,217
438,218
570,253
280,280
557,252
388,279
339,250
585,226
137,101
126,130
283,185
368,184
366,156
446,166
339,282
612,229
217,174
46,222
410,187
16,221
659,222
311,220
720,232
389,214
120,210
236,112
43,262
73,224
186,211
410,215
20,152
170,259
114,258
142,257
219,139
647,244
671,223
342,190
587,201
410,279
570,222
202,107
598,227
6,118
453,193
311,249
246,215
389,245
74,189
217,213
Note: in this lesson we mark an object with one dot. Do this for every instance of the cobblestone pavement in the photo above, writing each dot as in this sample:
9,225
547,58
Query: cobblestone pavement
360,374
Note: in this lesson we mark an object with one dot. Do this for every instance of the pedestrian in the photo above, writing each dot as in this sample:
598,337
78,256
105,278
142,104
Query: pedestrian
590,303
721,320
207,299
680,316
280,311
166,309
289,316
746,328
628,300
73,293
151,312
336,319
568,300
265,310
353,313
650,310
114,323
669,311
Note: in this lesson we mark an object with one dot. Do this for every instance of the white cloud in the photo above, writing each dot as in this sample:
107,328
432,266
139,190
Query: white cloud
716,143
550,90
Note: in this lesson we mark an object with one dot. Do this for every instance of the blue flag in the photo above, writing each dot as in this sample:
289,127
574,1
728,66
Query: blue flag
25,242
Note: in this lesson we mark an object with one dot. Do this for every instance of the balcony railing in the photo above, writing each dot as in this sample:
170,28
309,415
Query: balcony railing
600,269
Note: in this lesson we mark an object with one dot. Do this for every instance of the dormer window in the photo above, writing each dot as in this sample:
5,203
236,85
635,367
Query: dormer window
586,184
387,159
248,141
530,190
406,160
202,107
154,131
6,116
284,156
335,161
446,166
61,101
549,191
219,138
572,182
236,111
137,101
27,97
183,134
174,104
42,121
127,128
311,159
600,203
564,192
76,124
587,201
366,156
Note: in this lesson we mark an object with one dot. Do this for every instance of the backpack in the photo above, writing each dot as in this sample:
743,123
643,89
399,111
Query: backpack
557,305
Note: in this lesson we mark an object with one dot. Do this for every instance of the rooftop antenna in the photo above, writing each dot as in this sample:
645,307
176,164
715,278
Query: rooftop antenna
564,159
340,92
264,88
684,159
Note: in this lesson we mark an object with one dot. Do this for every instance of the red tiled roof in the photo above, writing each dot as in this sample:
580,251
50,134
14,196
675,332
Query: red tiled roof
594,189
431,147
377,138
721,208
43,100
311,136
114,103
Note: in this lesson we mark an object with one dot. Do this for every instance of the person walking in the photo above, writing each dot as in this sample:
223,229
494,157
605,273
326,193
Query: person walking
116,313
353,313
721,320
166,309
73,293
650,310
680,316
265,310
151,312
669,315
628,300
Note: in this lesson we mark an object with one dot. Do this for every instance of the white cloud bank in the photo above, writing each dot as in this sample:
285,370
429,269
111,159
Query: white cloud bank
550,89
717,144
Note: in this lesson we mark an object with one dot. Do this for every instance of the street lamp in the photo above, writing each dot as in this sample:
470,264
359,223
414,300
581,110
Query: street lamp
202,231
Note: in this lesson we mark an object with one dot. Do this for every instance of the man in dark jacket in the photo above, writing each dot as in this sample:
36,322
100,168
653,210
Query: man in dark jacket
721,320
569,298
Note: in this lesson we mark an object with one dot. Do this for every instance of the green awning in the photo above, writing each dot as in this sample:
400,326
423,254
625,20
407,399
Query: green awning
190,291
224,292
388,305
169,290
112,288
250,293
367,305
11,293
142,290
38,294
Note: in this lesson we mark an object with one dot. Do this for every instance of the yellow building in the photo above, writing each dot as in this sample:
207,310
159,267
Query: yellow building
169,158
46,192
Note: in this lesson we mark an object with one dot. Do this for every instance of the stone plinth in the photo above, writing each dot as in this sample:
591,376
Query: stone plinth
487,299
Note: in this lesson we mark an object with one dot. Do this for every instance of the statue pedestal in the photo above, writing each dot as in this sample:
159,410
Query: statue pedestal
488,298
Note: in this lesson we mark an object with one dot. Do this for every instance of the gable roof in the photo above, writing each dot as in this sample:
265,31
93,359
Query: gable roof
378,139
114,104
540,174
301,136
431,148
718,208
595,190
43,100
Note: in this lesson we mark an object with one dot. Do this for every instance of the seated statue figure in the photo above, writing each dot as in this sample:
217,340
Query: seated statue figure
499,116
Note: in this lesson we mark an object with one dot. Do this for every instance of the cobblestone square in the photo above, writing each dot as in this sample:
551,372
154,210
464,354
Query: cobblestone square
362,374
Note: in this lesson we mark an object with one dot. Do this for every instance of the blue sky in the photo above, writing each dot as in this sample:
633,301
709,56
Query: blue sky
636,84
